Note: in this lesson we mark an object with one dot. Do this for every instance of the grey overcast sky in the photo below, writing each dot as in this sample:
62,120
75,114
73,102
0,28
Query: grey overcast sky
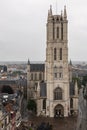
23,28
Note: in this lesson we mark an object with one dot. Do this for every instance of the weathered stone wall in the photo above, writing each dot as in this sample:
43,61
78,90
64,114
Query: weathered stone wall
82,116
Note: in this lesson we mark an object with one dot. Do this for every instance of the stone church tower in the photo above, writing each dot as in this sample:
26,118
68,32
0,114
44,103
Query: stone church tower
50,84
56,65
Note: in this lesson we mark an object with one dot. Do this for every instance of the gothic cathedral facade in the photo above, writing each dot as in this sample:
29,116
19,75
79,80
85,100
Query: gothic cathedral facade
52,79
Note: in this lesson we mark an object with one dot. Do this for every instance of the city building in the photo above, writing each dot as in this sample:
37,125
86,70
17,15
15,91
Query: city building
3,68
50,83
10,111
4,118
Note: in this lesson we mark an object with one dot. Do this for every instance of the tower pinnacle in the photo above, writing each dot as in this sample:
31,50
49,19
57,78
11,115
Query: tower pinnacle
70,62
28,62
61,15
50,11
65,13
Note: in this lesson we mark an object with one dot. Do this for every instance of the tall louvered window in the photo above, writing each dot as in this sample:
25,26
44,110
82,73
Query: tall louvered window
62,31
60,53
35,76
31,76
57,32
44,103
40,76
53,32
71,103
55,53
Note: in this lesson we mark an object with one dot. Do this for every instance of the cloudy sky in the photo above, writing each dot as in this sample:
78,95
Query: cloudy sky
23,28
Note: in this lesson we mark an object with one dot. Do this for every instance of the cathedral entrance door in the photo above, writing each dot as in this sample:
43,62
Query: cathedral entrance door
59,111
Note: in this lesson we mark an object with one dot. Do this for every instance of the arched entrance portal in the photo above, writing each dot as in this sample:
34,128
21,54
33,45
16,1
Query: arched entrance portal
59,111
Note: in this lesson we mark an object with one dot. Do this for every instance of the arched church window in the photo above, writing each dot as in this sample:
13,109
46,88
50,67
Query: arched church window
60,75
31,76
57,19
60,53
40,76
53,31
53,19
35,76
55,53
71,103
55,75
62,31
44,103
61,19
58,94
57,32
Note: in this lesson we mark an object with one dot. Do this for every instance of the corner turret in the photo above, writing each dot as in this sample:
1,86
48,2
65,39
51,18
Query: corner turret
28,63
76,88
50,12
70,62
65,13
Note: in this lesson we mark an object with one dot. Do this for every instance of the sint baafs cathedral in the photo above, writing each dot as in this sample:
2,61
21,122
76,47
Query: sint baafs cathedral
50,83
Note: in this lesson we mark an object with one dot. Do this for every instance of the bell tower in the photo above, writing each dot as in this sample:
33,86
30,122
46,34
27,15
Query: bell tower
56,65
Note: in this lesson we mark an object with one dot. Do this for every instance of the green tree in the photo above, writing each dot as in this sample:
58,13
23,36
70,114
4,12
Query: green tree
32,105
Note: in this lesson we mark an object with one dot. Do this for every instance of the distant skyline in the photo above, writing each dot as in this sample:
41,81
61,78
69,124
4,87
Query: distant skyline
23,28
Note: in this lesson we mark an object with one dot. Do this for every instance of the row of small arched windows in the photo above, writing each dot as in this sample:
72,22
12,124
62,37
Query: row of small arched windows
57,19
36,76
